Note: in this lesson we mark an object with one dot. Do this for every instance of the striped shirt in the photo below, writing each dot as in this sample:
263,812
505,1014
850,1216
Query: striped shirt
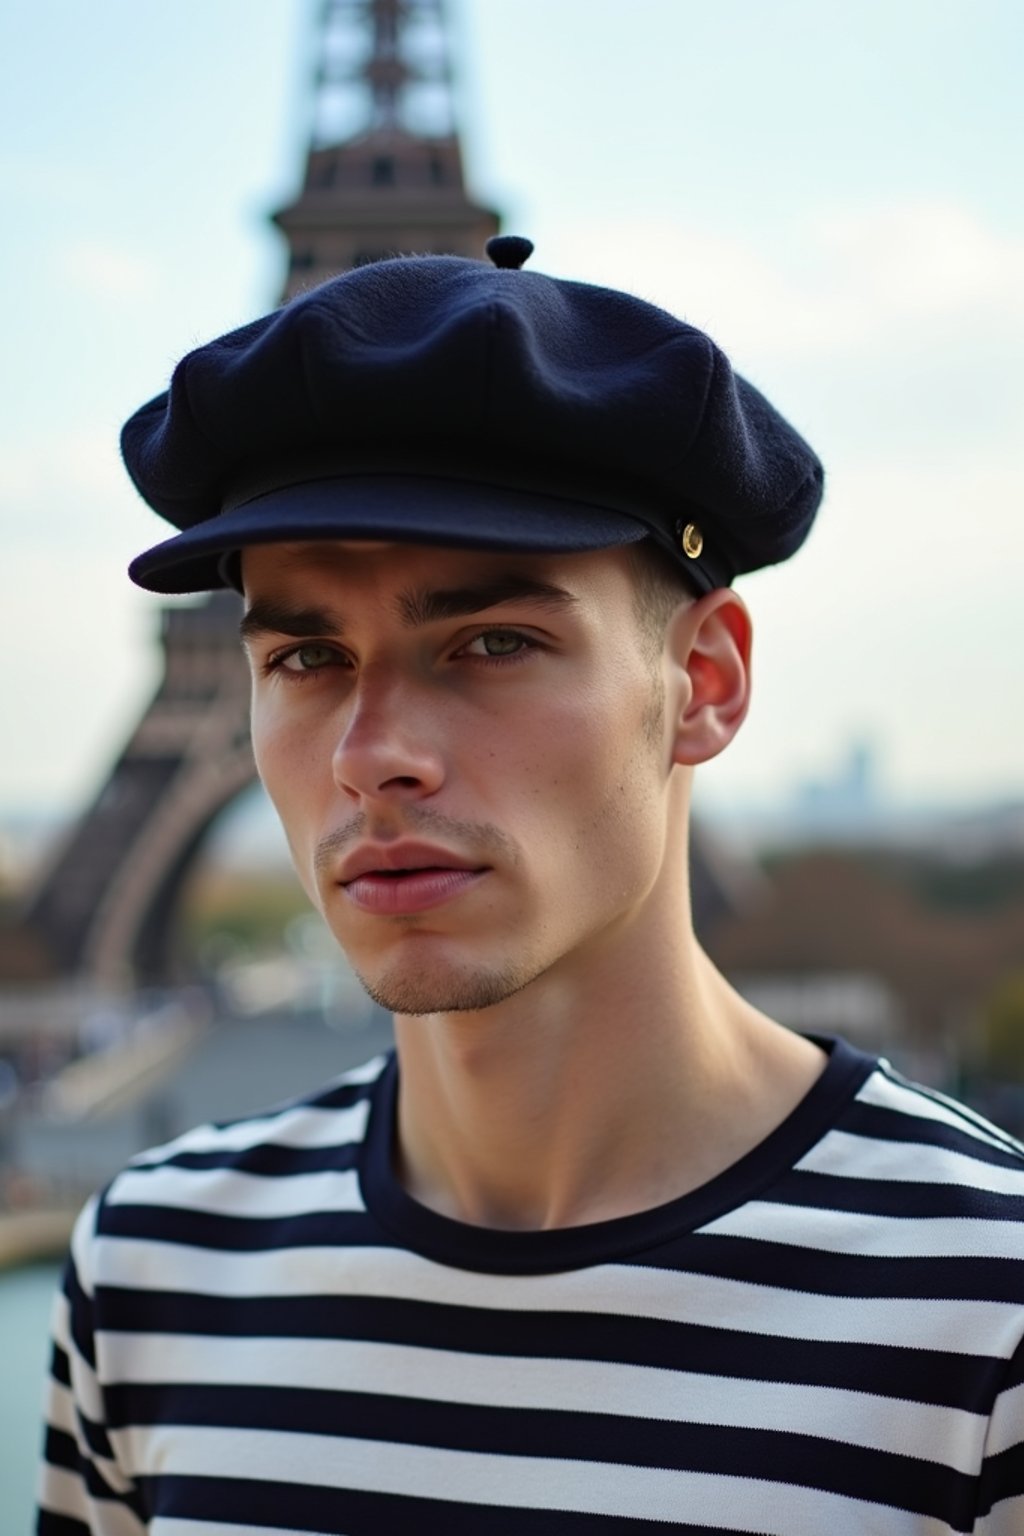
261,1332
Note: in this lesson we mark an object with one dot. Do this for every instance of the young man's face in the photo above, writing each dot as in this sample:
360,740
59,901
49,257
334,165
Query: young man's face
468,755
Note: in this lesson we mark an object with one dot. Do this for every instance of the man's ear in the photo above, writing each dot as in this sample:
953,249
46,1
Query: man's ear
709,644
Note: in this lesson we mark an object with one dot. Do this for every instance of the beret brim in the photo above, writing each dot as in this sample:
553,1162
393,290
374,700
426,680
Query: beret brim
404,508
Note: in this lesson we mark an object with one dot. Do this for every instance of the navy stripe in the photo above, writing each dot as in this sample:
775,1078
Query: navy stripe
882,1477
907,1199
880,1123
61,1449
815,1271
80,1314
268,1159
49,1524
60,1366
1002,1477
243,1234
926,1376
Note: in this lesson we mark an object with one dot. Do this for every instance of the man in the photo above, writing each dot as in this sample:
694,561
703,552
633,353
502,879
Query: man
602,1249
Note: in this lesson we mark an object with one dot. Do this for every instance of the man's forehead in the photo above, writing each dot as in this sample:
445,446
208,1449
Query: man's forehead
300,552
299,561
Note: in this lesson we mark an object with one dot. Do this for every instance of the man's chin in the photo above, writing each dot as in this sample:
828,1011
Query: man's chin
408,992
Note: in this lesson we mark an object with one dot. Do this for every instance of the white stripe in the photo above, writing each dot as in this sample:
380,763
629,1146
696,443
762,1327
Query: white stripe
62,1493
84,1385
59,1408
519,1482
366,1072
60,1320
1006,1519
949,1435
230,1192
884,1093
892,1237
983,1327
82,1235
865,1157
304,1126
1007,1422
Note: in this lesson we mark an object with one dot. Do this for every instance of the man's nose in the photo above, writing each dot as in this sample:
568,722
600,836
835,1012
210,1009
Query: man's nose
388,742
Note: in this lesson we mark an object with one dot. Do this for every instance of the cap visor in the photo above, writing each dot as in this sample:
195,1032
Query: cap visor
404,508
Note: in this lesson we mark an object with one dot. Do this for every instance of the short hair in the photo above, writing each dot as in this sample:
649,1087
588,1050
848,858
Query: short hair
659,587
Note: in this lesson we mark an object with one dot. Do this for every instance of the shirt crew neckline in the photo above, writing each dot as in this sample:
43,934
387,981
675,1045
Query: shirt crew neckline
461,1245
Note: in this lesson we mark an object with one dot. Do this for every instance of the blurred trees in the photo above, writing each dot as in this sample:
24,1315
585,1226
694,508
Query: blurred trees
945,936
1002,1027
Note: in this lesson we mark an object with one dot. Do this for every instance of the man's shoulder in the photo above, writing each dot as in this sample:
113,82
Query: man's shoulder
314,1137
914,1151
924,1125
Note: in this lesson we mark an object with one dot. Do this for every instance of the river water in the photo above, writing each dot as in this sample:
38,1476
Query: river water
25,1299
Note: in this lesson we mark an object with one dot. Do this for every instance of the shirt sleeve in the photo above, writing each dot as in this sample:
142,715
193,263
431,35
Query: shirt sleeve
1001,1501
82,1490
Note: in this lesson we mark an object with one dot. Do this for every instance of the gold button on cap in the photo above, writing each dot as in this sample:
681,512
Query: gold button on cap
692,541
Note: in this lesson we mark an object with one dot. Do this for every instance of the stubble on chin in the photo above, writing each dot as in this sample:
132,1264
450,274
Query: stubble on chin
415,993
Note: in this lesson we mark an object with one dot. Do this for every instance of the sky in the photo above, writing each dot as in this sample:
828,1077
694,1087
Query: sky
831,190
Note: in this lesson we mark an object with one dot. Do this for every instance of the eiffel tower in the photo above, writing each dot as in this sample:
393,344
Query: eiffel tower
383,175
396,185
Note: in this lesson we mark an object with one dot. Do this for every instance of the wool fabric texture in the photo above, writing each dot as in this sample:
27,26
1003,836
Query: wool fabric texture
448,401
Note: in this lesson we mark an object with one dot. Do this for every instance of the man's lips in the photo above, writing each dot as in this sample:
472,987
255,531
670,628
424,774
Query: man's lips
400,859
397,879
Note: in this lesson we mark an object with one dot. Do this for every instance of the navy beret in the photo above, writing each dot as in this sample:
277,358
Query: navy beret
437,400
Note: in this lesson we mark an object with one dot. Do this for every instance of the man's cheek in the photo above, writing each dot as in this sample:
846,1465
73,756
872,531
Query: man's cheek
287,792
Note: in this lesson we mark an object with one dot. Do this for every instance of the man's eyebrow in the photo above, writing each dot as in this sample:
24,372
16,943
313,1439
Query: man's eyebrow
267,617
428,605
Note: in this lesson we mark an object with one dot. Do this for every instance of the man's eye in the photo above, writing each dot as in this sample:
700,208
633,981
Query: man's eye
308,658
498,642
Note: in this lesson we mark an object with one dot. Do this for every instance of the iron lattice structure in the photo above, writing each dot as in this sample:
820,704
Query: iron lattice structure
383,174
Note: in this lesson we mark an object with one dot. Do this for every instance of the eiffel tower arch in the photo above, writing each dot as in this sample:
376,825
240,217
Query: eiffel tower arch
105,906
383,175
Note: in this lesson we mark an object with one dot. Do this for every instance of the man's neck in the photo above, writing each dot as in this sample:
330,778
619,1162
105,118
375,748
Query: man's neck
590,1096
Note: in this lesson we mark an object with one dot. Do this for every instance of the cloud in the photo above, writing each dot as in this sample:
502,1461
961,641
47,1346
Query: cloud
848,282
105,271
63,484
933,260
36,179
